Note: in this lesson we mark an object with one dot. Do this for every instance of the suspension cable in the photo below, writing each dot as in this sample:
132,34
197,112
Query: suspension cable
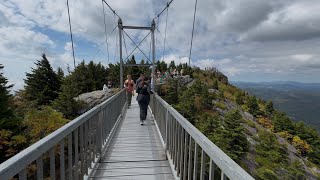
105,28
165,35
99,49
168,4
194,19
116,48
114,12
74,59
150,46
166,43
125,44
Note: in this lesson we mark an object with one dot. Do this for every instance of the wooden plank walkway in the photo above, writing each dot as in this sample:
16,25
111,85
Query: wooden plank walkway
135,151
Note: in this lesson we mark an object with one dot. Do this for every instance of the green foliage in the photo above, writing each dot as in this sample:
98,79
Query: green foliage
171,94
172,65
295,170
239,98
269,108
282,123
220,105
250,123
113,74
66,103
230,136
134,71
42,84
219,75
42,122
215,84
162,66
266,174
269,148
10,144
253,106
6,113
272,157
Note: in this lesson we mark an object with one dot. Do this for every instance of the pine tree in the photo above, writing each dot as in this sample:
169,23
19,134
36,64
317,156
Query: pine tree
269,107
172,65
163,66
215,84
239,98
172,92
42,84
60,74
5,111
65,103
235,134
253,106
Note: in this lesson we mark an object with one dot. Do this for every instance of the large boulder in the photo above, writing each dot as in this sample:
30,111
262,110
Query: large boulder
95,97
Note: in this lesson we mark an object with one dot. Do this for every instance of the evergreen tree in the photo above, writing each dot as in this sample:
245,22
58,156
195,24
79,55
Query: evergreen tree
171,95
5,111
42,84
113,74
172,65
239,98
66,103
215,84
253,106
269,107
80,75
60,74
163,66
234,133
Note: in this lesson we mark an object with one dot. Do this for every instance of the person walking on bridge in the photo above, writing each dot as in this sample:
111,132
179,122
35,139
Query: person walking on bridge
144,91
130,87
140,78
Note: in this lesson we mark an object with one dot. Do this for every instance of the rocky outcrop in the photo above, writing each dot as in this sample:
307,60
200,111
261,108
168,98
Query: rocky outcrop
95,97
183,80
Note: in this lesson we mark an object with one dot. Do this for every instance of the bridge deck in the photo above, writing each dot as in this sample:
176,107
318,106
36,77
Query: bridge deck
135,151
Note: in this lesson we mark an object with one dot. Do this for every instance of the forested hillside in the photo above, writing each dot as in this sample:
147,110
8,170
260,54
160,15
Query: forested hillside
263,140
301,101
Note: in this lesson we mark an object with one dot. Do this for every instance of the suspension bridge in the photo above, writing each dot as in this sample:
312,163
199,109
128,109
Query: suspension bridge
107,142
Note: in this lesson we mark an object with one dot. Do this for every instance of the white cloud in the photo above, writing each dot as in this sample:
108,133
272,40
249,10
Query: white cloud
177,60
302,57
237,36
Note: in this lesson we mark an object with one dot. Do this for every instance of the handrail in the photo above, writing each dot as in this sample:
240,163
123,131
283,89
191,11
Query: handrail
82,148
182,140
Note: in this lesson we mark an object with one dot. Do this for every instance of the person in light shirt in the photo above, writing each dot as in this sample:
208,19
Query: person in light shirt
130,87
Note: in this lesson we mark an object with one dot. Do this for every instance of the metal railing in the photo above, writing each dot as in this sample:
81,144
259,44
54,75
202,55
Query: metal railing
76,146
183,142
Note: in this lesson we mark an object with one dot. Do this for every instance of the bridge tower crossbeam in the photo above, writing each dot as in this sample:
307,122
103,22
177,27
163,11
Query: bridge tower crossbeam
152,29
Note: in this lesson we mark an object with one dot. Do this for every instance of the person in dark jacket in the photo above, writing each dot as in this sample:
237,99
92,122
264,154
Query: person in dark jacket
143,98
139,79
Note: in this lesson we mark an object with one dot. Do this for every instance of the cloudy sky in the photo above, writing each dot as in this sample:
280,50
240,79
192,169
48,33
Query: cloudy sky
248,40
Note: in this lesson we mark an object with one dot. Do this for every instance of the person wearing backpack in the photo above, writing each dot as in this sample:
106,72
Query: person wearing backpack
143,98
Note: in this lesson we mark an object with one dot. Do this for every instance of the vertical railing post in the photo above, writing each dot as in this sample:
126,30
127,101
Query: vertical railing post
100,129
166,123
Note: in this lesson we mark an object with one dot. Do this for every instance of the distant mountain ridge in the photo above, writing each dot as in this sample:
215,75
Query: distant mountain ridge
301,101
